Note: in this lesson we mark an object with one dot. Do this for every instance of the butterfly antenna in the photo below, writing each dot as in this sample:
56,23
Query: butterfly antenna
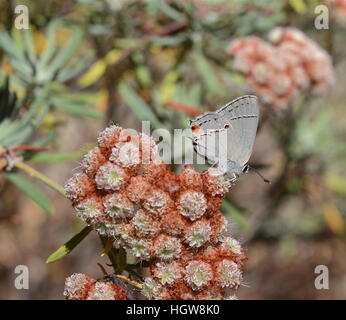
260,175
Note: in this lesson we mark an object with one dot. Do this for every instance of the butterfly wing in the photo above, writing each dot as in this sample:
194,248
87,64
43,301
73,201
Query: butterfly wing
229,133
242,116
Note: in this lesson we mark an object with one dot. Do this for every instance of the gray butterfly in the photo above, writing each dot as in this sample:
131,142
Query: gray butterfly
226,137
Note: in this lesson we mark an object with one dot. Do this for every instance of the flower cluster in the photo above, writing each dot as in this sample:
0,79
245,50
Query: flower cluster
81,287
171,220
339,10
279,70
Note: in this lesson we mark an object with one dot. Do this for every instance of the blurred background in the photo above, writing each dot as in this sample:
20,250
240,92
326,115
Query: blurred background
84,64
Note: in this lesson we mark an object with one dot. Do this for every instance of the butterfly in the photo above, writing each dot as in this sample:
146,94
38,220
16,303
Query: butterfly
226,137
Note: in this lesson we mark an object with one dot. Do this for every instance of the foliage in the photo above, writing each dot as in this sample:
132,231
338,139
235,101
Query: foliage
166,62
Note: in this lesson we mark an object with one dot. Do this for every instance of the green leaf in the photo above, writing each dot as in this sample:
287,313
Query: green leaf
234,214
30,191
206,72
66,52
69,245
138,105
50,34
56,157
80,110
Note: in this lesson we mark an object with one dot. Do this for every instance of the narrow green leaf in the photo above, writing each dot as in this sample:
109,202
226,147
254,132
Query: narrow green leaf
66,52
55,157
206,72
29,45
76,109
69,73
138,105
50,34
69,245
234,214
30,191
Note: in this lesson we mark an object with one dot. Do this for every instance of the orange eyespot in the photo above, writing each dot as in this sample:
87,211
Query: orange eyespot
195,128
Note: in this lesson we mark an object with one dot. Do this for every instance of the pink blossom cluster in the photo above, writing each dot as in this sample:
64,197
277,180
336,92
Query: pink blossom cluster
171,220
286,66
78,286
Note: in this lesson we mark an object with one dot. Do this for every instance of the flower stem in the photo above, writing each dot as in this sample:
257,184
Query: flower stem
31,171
112,255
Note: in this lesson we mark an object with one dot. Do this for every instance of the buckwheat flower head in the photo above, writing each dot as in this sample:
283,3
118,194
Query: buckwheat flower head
121,232
192,204
198,234
149,149
126,155
145,225
233,245
191,179
78,187
81,287
198,274
151,288
140,248
216,182
110,177
168,273
108,138
229,275
118,206
92,161
172,221
106,291
77,286
286,66
221,232
156,201
166,247
89,210
137,189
